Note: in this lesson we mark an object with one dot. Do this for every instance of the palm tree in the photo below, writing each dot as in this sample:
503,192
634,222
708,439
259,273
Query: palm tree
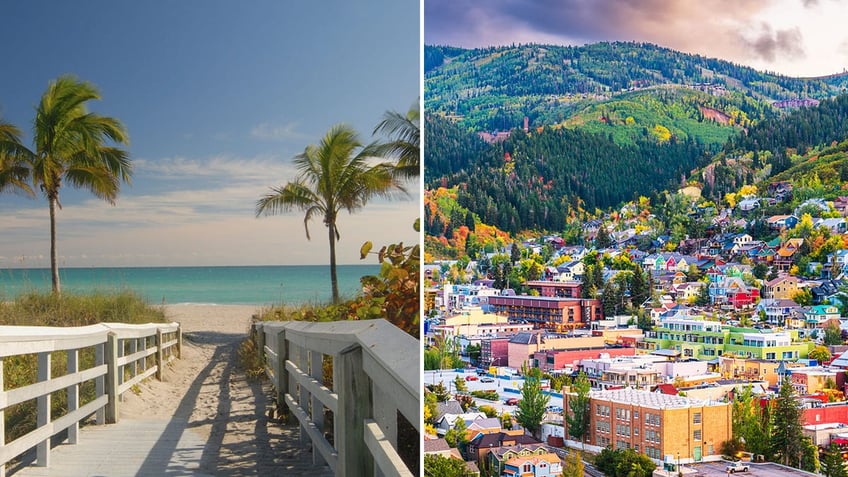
335,174
14,172
404,131
71,146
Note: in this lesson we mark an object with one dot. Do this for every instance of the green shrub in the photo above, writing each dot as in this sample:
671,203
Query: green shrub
38,309
488,395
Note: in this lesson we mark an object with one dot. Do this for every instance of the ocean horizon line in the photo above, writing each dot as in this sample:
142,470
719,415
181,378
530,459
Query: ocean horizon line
71,267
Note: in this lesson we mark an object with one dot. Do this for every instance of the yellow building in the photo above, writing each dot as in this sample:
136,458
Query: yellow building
660,426
782,288
475,316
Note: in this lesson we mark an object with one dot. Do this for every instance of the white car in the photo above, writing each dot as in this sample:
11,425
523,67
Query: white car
734,467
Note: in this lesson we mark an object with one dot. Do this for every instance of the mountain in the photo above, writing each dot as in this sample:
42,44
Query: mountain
607,123
495,88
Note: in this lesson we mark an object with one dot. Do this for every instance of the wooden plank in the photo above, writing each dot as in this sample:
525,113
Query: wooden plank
354,390
323,393
42,452
73,394
18,342
135,356
385,456
40,388
40,434
125,386
401,397
160,355
327,452
111,357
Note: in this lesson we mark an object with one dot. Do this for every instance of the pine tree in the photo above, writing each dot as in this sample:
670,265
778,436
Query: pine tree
578,405
602,240
832,464
639,292
514,253
787,432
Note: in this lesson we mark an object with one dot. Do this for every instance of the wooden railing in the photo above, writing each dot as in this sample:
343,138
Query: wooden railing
375,368
114,356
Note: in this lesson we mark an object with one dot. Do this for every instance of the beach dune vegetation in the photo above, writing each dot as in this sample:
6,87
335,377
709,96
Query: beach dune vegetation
339,173
71,145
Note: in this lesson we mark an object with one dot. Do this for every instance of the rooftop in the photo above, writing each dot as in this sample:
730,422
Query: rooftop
649,399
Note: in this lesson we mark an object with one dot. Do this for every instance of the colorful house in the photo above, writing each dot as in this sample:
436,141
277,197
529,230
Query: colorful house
705,340
545,465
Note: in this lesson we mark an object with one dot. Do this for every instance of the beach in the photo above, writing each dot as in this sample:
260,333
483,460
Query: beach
207,392
206,328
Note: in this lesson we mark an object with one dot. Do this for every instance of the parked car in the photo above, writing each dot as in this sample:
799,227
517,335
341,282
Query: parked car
487,380
471,377
511,401
734,467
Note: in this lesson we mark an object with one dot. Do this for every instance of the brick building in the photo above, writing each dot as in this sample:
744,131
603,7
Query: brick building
658,425
494,351
552,360
549,312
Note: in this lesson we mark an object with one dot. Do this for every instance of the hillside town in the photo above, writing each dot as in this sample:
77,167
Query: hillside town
645,346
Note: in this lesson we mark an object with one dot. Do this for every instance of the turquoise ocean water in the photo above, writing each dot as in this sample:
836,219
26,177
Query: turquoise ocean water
253,285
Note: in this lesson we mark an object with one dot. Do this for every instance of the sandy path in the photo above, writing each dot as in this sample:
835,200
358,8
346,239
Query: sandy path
207,389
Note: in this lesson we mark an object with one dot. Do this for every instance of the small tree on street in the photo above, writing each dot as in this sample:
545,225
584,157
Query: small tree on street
577,418
531,408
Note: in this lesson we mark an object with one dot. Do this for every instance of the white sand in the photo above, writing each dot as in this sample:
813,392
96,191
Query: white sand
210,396
206,328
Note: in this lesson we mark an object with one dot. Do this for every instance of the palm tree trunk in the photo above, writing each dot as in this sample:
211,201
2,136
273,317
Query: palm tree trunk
334,281
54,262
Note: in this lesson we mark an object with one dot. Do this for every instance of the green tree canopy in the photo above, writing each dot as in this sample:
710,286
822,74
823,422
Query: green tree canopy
71,145
334,175
404,140
578,416
531,408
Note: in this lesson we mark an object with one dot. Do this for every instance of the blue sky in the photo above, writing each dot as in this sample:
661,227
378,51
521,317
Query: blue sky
217,98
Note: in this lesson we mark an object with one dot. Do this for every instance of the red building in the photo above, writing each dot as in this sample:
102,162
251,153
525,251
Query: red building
551,360
549,312
568,289
494,352
740,298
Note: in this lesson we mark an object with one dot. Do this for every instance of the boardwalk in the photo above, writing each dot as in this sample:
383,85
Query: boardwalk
205,419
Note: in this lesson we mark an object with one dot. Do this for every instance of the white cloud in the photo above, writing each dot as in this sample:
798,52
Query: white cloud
205,217
278,132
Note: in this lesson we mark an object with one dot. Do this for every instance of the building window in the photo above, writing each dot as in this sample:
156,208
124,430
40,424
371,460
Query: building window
696,418
635,414
696,436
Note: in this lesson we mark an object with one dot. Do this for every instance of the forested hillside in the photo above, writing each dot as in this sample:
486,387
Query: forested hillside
535,180
495,88
609,123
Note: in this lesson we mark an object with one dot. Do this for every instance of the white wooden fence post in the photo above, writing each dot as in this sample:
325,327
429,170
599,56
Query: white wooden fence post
42,452
282,376
2,421
133,365
73,395
354,391
160,354
112,377
100,381
303,396
316,363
